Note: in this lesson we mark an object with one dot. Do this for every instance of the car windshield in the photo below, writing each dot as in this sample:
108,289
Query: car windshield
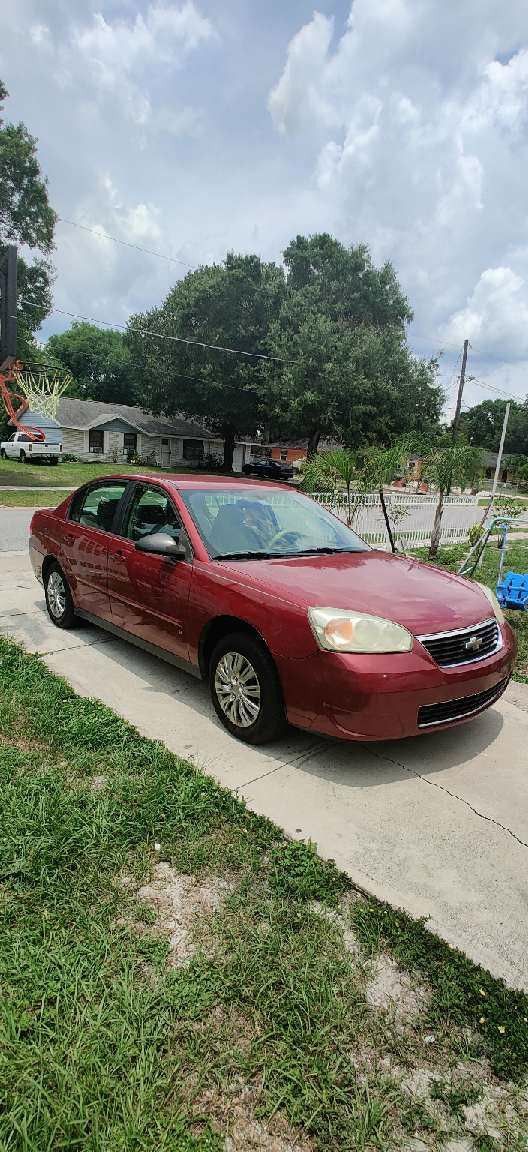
243,524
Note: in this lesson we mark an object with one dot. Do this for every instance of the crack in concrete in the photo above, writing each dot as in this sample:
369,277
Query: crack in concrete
74,647
453,795
308,752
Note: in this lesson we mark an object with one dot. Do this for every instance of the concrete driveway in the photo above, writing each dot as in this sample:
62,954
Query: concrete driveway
436,825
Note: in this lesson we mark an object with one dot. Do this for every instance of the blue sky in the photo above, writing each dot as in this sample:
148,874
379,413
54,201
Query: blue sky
193,128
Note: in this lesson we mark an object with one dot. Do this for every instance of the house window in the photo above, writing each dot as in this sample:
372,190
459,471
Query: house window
130,441
96,440
193,450
284,455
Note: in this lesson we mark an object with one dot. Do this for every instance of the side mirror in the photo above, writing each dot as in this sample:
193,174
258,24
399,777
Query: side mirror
161,544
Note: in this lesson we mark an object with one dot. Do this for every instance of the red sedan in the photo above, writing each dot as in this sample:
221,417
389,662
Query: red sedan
286,612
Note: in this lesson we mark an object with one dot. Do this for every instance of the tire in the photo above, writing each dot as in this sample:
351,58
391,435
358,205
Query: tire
2,453
58,599
254,710
54,460
23,458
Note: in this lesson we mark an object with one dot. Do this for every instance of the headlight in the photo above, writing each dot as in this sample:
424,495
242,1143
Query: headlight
499,614
339,630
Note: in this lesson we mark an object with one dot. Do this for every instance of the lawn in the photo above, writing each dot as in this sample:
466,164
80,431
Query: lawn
516,560
33,498
70,474
174,971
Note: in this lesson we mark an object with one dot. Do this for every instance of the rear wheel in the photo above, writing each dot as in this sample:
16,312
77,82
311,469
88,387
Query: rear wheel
58,598
23,457
245,689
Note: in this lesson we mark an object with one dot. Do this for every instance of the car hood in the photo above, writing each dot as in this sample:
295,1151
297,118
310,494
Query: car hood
422,598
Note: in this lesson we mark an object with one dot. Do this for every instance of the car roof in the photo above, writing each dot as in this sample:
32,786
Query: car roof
185,481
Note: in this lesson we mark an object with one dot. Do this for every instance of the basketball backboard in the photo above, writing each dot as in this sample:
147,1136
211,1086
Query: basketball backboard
8,303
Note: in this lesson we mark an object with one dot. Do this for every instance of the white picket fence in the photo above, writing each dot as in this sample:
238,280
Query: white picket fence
411,516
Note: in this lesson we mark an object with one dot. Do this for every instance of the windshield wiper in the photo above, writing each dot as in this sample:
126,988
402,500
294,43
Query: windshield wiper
323,551
248,555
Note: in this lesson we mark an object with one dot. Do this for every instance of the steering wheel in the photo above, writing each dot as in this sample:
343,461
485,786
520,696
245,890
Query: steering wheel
285,537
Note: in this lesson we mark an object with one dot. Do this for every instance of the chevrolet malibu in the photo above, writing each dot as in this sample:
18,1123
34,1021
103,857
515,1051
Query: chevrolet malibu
278,604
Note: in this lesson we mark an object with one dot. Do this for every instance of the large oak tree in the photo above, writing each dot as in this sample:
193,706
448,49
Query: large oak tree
26,218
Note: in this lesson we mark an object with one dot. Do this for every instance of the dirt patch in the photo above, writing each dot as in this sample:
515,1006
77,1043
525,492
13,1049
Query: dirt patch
393,990
234,1117
21,743
340,918
182,906
97,783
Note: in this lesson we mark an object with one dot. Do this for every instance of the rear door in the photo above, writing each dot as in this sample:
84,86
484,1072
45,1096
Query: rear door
150,594
86,539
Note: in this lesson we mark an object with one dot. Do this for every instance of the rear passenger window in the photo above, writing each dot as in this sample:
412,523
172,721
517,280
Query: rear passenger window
97,507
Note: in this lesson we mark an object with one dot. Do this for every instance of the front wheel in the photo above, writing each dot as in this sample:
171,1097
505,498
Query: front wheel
245,689
59,598
2,453
23,458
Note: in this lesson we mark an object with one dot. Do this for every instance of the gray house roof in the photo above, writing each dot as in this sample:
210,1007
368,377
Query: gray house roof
83,414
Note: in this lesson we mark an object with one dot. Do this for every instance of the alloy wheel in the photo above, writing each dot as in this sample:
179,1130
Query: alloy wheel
56,592
237,689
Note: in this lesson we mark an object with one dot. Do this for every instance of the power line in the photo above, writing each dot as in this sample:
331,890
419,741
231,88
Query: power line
166,336
126,243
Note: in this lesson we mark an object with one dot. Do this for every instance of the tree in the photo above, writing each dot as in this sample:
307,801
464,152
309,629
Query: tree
363,471
231,304
99,361
518,468
482,425
26,218
342,328
444,464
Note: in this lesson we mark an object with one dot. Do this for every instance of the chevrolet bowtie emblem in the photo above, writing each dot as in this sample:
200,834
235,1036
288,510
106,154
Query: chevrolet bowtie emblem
473,644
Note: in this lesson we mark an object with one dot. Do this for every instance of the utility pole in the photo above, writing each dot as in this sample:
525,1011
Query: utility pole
456,418
501,450
458,409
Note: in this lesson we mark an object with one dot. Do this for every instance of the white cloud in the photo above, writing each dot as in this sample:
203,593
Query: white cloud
418,142
294,100
495,317
164,35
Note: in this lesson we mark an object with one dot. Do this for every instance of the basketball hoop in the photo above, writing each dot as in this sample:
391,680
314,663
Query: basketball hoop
42,390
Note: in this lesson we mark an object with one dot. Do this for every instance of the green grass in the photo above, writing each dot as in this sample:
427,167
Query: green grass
516,560
105,1046
33,498
70,474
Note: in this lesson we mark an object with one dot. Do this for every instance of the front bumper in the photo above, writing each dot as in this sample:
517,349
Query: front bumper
381,697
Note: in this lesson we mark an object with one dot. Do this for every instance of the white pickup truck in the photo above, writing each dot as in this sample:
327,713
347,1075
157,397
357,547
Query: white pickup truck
22,447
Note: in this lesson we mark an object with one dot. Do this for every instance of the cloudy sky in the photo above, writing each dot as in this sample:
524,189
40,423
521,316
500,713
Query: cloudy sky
195,127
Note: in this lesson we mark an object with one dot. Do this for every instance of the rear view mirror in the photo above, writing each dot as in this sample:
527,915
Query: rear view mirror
161,544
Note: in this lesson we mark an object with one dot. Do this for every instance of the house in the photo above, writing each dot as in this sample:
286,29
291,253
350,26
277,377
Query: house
287,451
89,429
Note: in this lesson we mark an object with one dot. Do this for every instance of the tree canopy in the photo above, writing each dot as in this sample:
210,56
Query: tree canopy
99,361
26,218
482,426
335,326
231,304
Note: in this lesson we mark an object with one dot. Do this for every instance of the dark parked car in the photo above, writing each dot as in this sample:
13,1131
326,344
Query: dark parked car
286,612
268,470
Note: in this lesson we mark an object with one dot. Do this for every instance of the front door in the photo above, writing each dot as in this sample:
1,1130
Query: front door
149,595
165,453
85,542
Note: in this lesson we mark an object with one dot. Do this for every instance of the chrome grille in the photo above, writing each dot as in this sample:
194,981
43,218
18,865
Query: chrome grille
465,645
449,710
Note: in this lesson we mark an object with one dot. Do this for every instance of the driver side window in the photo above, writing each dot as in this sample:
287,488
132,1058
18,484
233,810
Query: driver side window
153,511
